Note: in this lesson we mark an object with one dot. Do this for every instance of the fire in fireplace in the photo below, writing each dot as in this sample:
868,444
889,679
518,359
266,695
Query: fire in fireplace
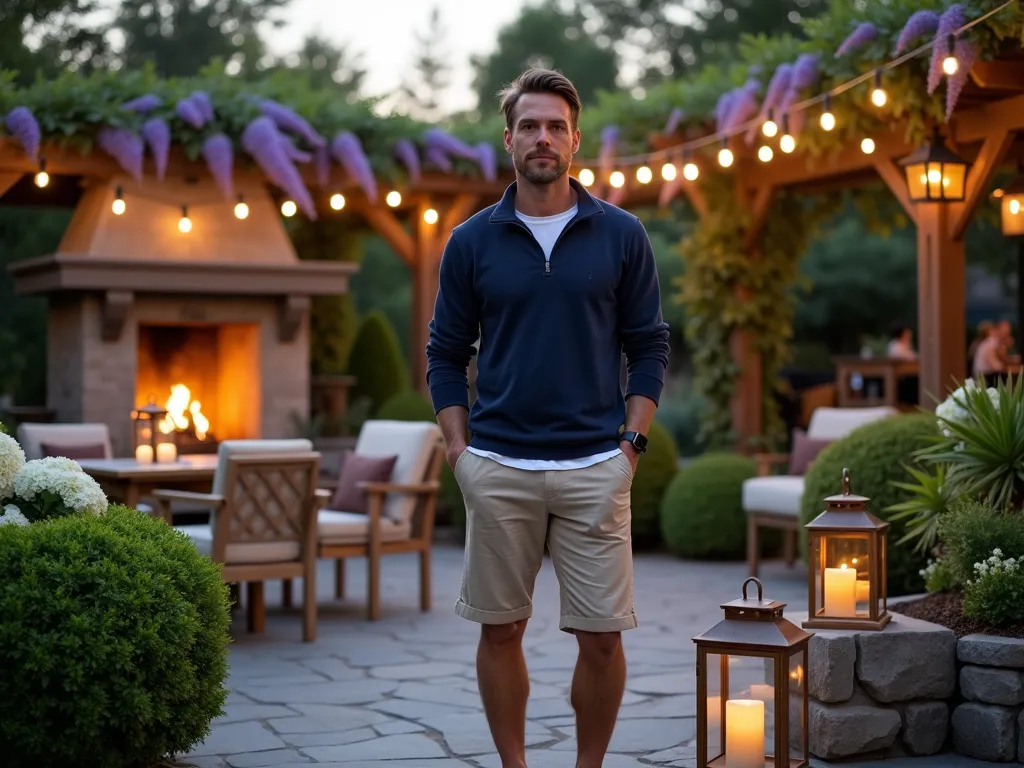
185,415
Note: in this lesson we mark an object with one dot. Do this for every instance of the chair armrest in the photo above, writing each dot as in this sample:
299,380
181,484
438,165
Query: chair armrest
407,488
202,498
767,461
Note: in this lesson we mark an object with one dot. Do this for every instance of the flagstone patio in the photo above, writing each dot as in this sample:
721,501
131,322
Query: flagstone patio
401,693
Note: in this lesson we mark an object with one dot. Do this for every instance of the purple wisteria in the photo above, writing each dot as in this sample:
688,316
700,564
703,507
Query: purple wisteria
967,54
744,105
322,165
287,119
919,24
438,159
262,141
157,135
777,88
435,138
348,151
674,119
22,125
125,147
407,155
143,104
189,112
949,22
864,33
220,156
487,159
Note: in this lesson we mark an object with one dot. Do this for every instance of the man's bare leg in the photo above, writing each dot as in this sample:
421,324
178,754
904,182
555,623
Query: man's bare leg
504,689
597,687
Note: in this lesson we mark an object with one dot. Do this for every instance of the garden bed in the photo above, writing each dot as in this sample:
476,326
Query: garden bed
946,609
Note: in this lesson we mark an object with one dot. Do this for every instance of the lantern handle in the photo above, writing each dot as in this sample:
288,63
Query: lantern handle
760,589
846,481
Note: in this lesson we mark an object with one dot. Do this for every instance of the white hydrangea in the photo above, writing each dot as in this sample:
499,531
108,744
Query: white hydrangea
12,516
63,477
996,564
953,409
12,459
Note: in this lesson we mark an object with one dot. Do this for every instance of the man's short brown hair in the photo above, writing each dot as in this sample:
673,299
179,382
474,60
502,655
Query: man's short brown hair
538,80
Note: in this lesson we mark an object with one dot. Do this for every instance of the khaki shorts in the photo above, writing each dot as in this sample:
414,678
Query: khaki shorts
583,516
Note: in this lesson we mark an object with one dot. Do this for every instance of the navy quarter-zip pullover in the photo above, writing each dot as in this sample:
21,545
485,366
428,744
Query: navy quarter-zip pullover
551,332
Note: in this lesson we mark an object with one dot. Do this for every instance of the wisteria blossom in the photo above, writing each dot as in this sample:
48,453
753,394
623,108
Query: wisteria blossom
919,24
864,33
949,22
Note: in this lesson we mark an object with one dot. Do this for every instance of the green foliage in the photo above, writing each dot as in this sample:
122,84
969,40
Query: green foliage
377,362
113,642
681,416
930,497
727,290
972,529
996,595
875,454
938,577
655,471
702,513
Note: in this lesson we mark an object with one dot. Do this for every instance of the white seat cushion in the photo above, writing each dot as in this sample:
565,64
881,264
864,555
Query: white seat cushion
234,447
414,443
354,528
837,423
779,495
237,554
31,436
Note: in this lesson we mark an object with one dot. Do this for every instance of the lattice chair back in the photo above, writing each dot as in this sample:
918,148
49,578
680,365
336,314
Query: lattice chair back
269,513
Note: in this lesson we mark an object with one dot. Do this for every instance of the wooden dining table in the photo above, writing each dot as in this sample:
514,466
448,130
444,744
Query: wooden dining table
127,481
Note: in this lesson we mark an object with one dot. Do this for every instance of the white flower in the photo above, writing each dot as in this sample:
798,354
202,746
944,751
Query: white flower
63,477
12,459
12,516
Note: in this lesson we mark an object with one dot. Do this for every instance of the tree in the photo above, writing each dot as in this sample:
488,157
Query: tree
548,36
181,36
326,65
663,38
45,36
422,94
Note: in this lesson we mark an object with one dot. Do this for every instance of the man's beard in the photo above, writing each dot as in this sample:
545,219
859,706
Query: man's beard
547,175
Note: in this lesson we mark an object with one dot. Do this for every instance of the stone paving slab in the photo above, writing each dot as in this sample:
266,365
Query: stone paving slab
402,692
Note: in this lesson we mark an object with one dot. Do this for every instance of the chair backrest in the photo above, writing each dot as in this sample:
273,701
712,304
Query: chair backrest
229,448
269,507
31,436
414,442
837,423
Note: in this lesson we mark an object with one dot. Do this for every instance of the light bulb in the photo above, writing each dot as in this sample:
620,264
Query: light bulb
617,179
42,179
241,209
934,176
950,65
394,198
184,223
668,172
878,95
118,206
770,128
1015,207
828,120
765,154
586,177
867,146
337,201
430,216
691,171
289,208
725,157
644,175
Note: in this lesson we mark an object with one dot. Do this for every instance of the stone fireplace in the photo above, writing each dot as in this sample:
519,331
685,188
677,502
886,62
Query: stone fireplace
212,324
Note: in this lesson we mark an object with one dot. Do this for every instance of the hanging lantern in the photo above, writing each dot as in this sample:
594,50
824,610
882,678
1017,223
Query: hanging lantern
1011,208
155,439
935,173
846,565
752,695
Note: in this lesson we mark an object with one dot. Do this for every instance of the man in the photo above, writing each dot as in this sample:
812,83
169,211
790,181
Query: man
990,356
556,285
901,342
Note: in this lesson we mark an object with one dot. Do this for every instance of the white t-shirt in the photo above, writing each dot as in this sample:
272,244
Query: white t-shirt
546,230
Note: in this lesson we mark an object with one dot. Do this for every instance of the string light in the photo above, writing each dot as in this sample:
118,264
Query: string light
668,172
337,201
42,178
828,120
690,170
725,156
394,198
765,154
617,179
430,216
241,208
787,143
586,177
950,65
184,223
118,206
878,95
867,146
644,175
770,128
289,208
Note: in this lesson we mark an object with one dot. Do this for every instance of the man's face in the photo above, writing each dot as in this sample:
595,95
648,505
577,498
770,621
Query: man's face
1004,330
542,140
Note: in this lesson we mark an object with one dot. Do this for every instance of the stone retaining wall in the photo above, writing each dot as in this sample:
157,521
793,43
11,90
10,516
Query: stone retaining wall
988,721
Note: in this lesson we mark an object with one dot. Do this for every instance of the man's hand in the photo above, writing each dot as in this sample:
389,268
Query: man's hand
631,454
453,452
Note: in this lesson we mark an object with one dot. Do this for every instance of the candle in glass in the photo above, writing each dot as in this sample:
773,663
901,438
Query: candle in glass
744,733
144,454
166,452
840,591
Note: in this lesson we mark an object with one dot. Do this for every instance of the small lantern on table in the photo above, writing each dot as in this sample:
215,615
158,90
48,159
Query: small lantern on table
846,565
752,696
155,439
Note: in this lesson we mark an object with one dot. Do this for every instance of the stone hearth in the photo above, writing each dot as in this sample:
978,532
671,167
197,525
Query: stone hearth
136,306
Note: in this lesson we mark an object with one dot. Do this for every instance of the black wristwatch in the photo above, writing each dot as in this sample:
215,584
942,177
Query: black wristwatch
638,441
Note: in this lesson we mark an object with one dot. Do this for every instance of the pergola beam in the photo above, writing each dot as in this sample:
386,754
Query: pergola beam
896,182
990,157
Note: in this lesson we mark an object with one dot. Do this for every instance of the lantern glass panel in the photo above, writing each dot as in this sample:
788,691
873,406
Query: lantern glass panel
715,736
954,178
797,710
1012,210
740,710
882,571
917,181
842,578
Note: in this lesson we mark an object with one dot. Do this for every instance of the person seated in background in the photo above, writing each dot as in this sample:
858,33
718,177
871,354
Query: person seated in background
990,355
984,330
901,342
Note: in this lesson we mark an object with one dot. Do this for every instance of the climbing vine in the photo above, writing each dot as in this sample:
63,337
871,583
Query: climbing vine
728,289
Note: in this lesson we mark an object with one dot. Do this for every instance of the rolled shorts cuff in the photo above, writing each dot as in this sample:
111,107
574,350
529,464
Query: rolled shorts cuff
467,611
569,623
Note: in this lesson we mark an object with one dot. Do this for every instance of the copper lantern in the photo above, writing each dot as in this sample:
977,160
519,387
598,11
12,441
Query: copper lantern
154,436
846,565
935,173
752,695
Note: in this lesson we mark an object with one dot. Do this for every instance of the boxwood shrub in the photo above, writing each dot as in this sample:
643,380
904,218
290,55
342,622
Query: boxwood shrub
113,642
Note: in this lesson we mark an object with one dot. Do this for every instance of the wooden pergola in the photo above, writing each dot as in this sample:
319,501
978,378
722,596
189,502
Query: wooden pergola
984,130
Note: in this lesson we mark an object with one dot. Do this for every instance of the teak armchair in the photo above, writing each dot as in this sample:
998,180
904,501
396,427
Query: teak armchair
263,524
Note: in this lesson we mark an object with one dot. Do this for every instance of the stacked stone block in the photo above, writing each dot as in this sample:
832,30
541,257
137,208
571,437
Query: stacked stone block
988,724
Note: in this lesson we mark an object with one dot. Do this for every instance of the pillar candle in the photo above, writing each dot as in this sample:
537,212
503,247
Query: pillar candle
863,591
744,734
166,453
144,454
840,592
